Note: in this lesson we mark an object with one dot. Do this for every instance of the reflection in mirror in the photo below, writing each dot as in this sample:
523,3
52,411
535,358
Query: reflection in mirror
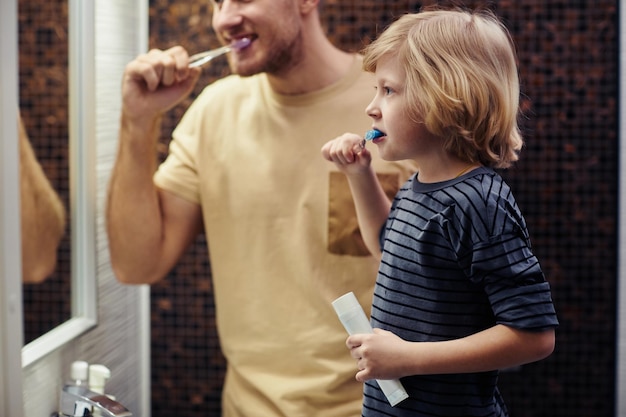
70,164
44,108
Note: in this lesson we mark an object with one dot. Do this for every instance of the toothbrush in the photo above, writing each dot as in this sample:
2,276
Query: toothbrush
371,135
204,57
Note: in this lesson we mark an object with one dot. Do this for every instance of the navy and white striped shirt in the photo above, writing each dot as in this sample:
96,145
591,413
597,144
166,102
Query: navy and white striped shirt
456,260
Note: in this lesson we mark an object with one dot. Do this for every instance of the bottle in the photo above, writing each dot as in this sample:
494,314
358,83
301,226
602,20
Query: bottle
98,376
79,374
354,320
76,385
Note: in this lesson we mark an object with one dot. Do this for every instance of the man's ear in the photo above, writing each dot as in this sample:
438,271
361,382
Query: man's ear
306,6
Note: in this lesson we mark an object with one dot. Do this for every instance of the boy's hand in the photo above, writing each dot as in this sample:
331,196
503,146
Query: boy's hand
347,154
378,355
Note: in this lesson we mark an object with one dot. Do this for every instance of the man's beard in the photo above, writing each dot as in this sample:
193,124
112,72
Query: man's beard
278,61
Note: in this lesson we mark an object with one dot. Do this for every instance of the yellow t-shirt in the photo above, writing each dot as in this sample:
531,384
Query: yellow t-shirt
283,237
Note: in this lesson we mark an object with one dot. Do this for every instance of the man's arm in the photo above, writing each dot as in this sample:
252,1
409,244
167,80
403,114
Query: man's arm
148,228
42,216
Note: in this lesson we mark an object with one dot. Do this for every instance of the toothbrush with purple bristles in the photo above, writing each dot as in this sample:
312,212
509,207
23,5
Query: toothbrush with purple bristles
371,135
204,57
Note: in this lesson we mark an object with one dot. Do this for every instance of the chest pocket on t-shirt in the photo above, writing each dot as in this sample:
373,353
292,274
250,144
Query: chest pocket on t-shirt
344,236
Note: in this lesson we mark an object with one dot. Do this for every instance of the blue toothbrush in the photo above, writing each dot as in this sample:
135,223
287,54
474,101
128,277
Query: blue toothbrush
371,135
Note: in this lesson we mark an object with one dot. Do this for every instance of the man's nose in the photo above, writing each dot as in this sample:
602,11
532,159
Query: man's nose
227,14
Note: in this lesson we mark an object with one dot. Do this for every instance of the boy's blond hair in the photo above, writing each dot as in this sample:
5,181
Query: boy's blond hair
461,80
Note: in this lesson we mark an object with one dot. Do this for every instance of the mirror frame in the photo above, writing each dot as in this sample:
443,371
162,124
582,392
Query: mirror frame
620,372
11,337
82,131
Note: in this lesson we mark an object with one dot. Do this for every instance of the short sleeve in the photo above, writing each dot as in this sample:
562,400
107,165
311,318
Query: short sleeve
514,283
178,173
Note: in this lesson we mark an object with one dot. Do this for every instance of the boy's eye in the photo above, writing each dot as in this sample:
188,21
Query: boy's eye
385,90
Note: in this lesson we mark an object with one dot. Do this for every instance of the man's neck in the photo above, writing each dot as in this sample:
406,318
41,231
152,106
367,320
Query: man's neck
322,65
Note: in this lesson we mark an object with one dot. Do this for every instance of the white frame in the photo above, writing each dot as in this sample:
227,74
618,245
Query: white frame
11,338
82,185
620,372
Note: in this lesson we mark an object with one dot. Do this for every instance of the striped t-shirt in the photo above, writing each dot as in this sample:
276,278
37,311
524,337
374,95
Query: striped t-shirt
456,260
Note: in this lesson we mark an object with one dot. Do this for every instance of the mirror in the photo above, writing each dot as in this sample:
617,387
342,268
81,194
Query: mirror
63,38
44,109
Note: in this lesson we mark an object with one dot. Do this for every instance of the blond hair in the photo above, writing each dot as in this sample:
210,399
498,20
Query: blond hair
461,80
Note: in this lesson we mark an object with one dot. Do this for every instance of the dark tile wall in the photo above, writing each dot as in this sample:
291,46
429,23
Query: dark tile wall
566,184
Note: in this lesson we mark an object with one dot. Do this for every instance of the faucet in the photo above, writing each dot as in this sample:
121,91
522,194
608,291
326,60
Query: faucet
79,401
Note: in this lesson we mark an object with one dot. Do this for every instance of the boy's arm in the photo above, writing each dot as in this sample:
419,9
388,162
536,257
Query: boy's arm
371,203
372,207
383,355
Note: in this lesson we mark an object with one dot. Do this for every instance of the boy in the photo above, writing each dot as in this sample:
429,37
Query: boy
459,293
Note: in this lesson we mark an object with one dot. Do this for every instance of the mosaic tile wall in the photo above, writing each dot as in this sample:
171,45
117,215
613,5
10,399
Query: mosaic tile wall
566,184
43,95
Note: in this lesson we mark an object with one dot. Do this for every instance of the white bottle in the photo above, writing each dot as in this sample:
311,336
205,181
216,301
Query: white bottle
354,320
79,373
98,376
77,384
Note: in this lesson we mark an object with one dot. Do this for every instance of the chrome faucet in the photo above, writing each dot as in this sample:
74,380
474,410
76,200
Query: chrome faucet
79,401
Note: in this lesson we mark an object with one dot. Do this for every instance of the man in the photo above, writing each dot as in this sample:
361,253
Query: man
245,168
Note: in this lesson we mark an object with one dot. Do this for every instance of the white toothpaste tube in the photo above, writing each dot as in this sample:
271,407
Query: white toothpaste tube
354,320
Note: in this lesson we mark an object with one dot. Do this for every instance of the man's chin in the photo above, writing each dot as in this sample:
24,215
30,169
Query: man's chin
246,73
244,70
